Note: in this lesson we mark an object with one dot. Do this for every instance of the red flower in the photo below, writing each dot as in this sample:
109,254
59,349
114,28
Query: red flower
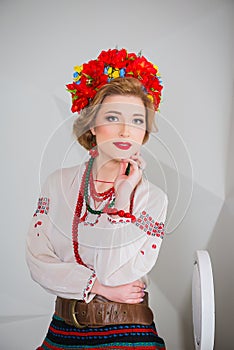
71,87
107,56
140,67
87,91
132,56
93,69
155,85
114,58
79,104
119,60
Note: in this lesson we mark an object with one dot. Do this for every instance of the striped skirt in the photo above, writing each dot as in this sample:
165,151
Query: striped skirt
132,336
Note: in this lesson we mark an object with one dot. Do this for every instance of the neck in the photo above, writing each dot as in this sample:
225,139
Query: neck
105,170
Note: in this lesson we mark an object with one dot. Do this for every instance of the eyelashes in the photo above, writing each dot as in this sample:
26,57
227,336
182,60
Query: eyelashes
112,118
138,121
115,119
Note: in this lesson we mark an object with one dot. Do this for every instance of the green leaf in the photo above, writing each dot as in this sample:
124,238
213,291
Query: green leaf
71,91
74,98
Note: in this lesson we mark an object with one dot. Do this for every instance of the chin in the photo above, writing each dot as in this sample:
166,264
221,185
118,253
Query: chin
122,154
113,152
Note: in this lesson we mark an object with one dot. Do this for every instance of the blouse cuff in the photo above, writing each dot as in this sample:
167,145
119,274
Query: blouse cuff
87,294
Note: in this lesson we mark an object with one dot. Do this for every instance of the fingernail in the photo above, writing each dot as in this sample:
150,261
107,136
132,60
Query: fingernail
142,299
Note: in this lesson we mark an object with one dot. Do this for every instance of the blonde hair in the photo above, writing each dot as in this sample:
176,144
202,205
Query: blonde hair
119,86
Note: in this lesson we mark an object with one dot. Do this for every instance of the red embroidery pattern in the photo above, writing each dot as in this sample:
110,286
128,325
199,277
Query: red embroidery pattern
146,223
117,221
89,285
38,223
42,206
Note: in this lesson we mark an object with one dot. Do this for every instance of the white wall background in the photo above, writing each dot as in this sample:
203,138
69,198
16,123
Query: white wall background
192,42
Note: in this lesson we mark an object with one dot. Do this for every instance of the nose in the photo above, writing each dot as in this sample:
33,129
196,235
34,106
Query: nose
124,130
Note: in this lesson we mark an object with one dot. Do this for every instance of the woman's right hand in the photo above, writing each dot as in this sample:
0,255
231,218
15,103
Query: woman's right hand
131,293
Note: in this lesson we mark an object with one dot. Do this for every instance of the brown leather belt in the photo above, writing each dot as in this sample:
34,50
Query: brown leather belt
101,311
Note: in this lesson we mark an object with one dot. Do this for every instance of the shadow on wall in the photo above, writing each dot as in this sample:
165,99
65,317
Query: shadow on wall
221,251
220,247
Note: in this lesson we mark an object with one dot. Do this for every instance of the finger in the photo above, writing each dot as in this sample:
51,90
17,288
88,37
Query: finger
136,156
133,168
137,286
140,161
134,301
138,289
122,167
137,295
133,163
139,283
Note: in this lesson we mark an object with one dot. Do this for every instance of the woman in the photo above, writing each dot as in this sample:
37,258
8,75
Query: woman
98,227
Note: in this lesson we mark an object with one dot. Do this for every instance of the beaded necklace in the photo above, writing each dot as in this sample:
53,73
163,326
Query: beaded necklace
99,197
87,185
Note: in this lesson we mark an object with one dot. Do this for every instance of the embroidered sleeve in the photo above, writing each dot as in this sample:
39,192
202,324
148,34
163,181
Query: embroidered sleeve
42,206
48,268
150,226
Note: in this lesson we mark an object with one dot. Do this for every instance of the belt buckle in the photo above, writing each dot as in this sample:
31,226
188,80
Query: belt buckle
73,313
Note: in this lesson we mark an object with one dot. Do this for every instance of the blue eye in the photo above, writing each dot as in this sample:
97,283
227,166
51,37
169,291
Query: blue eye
112,118
138,121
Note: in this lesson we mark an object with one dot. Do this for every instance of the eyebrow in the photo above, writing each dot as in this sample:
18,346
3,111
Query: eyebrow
119,113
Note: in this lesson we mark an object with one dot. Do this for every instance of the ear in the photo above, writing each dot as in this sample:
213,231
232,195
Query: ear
92,131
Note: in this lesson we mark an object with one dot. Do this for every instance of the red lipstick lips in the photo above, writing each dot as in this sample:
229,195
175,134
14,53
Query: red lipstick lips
122,145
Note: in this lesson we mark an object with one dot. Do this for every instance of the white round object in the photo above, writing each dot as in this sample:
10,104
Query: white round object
203,302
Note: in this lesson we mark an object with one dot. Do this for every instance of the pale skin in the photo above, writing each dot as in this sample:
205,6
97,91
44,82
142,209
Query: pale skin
121,119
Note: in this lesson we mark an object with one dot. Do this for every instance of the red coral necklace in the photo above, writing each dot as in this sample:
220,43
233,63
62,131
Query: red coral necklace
87,184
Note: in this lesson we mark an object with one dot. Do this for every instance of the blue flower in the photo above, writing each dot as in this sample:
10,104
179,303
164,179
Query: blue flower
122,72
75,74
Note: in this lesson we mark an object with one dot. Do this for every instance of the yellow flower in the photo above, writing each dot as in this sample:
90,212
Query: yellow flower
78,69
157,74
115,74
77,78
150,97
110,69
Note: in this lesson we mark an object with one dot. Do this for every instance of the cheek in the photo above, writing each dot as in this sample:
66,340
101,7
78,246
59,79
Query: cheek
139,135
104,132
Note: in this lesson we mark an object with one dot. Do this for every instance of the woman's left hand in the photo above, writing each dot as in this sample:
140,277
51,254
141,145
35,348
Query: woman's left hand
125,184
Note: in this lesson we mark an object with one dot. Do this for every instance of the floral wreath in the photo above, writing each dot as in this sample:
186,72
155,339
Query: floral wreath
90,77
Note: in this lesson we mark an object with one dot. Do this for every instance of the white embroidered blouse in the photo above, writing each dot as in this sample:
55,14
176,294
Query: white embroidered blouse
115,253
